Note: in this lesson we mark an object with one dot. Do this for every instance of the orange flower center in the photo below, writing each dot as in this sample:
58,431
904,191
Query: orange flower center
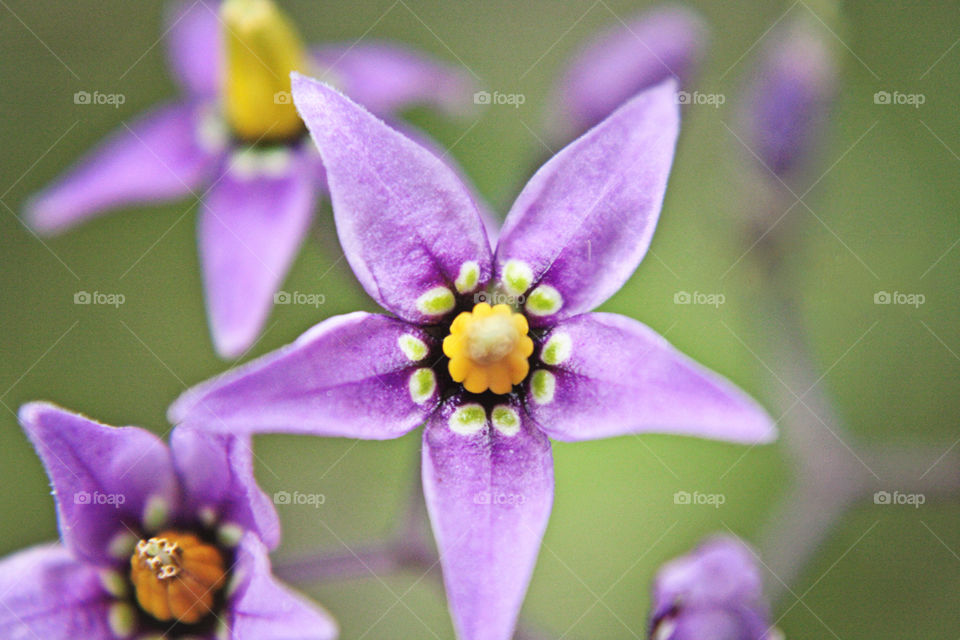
488,348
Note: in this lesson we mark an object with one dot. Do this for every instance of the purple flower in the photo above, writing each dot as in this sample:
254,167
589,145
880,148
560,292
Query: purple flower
258,186
491,384
622,61
789,98
713,593
155,541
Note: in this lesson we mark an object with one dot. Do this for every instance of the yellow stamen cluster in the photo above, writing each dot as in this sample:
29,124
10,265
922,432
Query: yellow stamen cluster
262,48
177,576
488,348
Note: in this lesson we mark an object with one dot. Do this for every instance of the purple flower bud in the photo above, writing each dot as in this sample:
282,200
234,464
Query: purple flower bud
623,61
712,593
789,97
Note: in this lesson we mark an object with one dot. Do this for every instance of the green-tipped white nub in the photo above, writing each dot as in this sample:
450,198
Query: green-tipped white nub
155,513
543,386
558,349
122,618
114,583
517,277
423,382
229,534
413,347
468,277
122,545
251,163
505,420
436,302
468,419
544,301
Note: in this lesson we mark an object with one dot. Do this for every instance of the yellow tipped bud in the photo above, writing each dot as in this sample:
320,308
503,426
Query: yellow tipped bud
262,48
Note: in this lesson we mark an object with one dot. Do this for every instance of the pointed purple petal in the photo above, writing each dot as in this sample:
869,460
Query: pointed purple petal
386,78
103,477
407,225
159,157
489,496
263,608
616,377
251,227
216,472
624,60
585,220
48,594
348,376
194,46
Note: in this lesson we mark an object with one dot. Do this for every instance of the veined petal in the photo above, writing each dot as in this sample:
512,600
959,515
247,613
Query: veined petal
664,42
619,377
407,224
103,477
49,594
584,221
161,156
488,482
216,472
251,227
348,376
194,46
386,78
262,607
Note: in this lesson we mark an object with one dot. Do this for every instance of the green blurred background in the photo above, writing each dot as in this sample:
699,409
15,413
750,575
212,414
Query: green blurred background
891,201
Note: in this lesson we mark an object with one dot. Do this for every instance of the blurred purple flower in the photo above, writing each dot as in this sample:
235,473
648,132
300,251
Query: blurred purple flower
663,42
450,361
257,199
713,593
115,489
789,98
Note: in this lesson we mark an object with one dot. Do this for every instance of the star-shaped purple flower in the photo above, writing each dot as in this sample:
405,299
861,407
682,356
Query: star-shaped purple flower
713,593
491,384
257,199
155,541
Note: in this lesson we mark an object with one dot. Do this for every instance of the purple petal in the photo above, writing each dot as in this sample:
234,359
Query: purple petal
194,46
348,376
216,472
407,225
616,376
251,228
47,594
489,496
386,78
158,157
585,220
624,60
263,609
103,477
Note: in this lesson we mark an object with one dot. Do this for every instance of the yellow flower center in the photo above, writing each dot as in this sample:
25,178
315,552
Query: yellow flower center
177,576
262,48
488,348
